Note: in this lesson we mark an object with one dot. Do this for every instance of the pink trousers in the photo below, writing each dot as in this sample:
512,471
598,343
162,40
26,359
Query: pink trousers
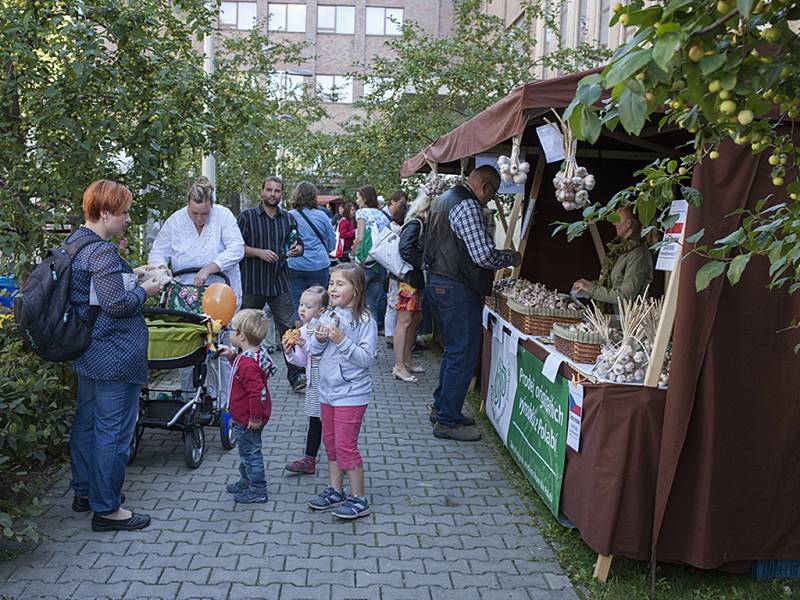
340,427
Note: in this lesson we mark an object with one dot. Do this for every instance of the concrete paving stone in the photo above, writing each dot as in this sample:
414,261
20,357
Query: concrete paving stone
387,565
420,593
291,592
457,594
192,590
175,562
557,582
296,578
485,541
248,562
179,575
160,548
468,580
345,551
44,574
87,590
15,590
345,578
142,575
494,566
444,566
430,580
339,592
246,577
240,591
525,567
199,561
181,548
495,594
291,552
256,536
531,580
394,579
93,574
139,591
189,537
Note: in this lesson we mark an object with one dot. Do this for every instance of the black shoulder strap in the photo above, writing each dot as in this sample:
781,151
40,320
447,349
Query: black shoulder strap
313,228
76,246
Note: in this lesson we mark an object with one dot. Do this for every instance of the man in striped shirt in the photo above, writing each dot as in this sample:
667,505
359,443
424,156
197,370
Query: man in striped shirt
270,237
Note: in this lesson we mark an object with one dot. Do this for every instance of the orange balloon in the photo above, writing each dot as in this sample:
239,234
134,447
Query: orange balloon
219,302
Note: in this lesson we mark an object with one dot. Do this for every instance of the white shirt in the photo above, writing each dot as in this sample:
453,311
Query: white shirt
179,245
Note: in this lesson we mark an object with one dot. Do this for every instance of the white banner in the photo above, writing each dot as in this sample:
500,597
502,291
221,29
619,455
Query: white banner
502,380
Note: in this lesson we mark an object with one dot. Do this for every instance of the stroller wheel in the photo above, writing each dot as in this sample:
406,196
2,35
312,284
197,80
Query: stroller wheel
194,447
226,433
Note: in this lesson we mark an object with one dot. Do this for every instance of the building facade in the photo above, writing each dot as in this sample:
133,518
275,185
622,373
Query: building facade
579,21
343,36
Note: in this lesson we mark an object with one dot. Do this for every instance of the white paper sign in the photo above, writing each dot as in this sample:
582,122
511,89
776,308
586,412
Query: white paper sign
485,317
669,252
551,365
575,416
505,187
502,382
552,142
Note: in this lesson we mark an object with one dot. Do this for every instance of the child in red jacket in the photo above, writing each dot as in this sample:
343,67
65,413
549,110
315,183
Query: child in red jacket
249,402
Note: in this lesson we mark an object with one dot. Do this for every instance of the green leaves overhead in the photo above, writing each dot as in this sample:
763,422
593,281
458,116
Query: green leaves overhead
720,71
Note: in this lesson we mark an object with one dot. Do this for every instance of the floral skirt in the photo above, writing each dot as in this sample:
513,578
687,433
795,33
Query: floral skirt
409,298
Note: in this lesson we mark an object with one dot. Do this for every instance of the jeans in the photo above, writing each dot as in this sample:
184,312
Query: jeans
100,441
300,281
251,460
281,307
457,311
376,293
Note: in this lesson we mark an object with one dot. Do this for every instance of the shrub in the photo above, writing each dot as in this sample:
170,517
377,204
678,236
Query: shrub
37,401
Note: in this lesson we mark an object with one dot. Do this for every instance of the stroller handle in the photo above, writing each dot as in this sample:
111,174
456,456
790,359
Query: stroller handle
224,277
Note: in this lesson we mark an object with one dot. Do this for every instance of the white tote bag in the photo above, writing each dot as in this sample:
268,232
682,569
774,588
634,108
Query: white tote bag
386,251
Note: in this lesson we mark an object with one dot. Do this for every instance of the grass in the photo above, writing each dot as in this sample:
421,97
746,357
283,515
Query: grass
628,579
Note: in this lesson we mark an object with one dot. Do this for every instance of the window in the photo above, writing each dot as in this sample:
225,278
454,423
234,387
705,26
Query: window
287,17
384,21
372,84
335,88
336,19
239,15
287,85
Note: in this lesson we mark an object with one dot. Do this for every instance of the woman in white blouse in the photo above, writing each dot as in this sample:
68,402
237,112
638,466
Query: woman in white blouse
201,235
204,236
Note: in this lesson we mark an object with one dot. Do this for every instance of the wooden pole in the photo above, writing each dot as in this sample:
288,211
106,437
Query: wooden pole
598,242
535,187
664,331
602,567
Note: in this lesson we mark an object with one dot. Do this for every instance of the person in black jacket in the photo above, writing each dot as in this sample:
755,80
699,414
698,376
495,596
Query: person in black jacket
409,295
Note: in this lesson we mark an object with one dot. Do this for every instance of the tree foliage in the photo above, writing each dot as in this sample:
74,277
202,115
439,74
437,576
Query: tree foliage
724,70
92,90
430,85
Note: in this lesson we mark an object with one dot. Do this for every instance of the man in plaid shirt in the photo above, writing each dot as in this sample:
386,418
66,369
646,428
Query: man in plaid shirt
460,261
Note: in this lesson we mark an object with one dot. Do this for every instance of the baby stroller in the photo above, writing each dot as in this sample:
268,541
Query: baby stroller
179,339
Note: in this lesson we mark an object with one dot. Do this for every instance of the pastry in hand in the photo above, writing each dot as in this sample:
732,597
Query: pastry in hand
291,336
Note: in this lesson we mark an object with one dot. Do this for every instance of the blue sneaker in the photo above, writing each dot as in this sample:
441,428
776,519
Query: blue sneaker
250,497
327,499
238,487
354,507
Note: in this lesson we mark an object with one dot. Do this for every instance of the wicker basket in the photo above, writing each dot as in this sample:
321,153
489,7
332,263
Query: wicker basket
580,346
502,306
539,321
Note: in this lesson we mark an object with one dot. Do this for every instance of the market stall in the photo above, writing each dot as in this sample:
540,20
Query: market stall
704,472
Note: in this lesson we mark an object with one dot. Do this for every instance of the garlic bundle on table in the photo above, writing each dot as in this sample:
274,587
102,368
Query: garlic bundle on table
573,184
511,170
626,361
535,294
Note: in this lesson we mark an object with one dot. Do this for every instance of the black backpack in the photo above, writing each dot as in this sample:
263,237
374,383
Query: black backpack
47,321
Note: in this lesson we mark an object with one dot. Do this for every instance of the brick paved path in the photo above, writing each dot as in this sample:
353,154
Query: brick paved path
446,524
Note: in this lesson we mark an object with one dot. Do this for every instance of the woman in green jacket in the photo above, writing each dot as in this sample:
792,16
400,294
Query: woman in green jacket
627,268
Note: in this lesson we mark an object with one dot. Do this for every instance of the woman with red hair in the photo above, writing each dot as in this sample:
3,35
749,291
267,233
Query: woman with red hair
113,368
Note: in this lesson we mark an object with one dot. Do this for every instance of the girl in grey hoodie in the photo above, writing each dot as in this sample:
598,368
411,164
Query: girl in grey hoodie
345,341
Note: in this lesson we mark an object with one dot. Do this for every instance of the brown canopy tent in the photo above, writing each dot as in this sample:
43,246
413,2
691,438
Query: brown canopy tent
714,460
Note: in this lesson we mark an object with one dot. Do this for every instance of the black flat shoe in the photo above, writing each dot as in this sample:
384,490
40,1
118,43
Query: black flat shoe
81,503
136,521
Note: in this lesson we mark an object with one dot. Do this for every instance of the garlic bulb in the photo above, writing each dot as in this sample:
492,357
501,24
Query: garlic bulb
576,181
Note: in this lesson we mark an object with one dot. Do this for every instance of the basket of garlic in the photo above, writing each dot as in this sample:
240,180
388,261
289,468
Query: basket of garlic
578,341
626,361
534,309
500,299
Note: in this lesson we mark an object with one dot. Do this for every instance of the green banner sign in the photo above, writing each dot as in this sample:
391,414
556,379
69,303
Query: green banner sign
538,429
